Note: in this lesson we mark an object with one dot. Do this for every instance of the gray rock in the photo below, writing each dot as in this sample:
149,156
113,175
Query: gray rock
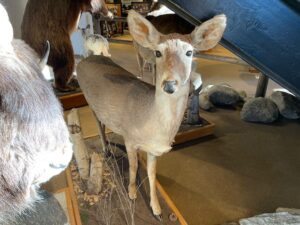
243,95
288,105
231,223
44,212
272,219
223,95
291,211
261,110
204,102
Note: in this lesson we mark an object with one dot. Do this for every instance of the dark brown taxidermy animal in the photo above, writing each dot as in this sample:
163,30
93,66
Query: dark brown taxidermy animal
171,23
56,20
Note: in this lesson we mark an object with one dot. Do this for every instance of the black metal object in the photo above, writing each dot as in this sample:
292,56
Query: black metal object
193,117
266,34
262,86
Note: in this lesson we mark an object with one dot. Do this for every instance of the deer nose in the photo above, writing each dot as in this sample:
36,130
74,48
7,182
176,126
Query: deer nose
170,86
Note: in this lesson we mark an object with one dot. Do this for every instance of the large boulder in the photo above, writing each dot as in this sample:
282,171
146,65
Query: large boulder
223,95
272,219
288,105
261,110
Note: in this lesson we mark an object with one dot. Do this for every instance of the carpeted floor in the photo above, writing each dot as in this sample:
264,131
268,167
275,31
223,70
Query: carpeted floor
243,170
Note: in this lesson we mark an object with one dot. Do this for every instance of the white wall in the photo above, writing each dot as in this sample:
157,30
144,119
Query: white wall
15,9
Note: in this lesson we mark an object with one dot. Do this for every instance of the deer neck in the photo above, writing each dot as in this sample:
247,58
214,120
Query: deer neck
170,109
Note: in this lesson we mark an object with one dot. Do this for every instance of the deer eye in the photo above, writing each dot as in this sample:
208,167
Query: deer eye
158,54
189,53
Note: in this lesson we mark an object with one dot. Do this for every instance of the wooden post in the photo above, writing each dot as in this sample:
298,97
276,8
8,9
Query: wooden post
79,147
94,184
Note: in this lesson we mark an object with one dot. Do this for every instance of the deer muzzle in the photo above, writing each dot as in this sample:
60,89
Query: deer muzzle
170,86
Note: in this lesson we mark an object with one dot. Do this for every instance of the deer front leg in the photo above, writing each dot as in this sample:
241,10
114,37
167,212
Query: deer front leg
151,169
154,73
133,165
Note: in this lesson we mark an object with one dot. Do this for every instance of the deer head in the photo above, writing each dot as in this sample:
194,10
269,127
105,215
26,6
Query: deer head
174,52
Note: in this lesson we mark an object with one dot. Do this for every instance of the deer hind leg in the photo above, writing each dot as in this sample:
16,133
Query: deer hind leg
133,165
151,169
101,129
141,65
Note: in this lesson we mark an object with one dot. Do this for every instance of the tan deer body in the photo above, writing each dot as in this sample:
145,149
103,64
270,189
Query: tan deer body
147,117
104,84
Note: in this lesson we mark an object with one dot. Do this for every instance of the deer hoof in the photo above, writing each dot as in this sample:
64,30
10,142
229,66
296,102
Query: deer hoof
132,192
156,210
158,217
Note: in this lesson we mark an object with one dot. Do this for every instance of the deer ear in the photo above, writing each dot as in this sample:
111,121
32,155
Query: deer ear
209,33
142,31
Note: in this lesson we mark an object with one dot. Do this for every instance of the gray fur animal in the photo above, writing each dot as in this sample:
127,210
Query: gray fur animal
94,43
34,139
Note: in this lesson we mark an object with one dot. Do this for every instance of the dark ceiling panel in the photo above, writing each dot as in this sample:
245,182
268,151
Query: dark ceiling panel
264,33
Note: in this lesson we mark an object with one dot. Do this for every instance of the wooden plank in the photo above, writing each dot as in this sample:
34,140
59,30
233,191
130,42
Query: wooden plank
73,197
73,101
194,133
69,205
164,195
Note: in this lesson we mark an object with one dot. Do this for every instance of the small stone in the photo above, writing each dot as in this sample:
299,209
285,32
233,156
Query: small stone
288,105
173,217
261,110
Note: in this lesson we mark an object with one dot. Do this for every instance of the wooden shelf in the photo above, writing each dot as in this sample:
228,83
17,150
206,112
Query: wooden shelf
73,101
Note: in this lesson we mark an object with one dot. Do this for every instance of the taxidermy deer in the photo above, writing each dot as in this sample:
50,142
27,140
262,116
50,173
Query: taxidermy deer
34,139
94,43
147,117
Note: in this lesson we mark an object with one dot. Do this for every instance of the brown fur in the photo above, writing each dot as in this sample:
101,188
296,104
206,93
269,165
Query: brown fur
171,23
55,20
